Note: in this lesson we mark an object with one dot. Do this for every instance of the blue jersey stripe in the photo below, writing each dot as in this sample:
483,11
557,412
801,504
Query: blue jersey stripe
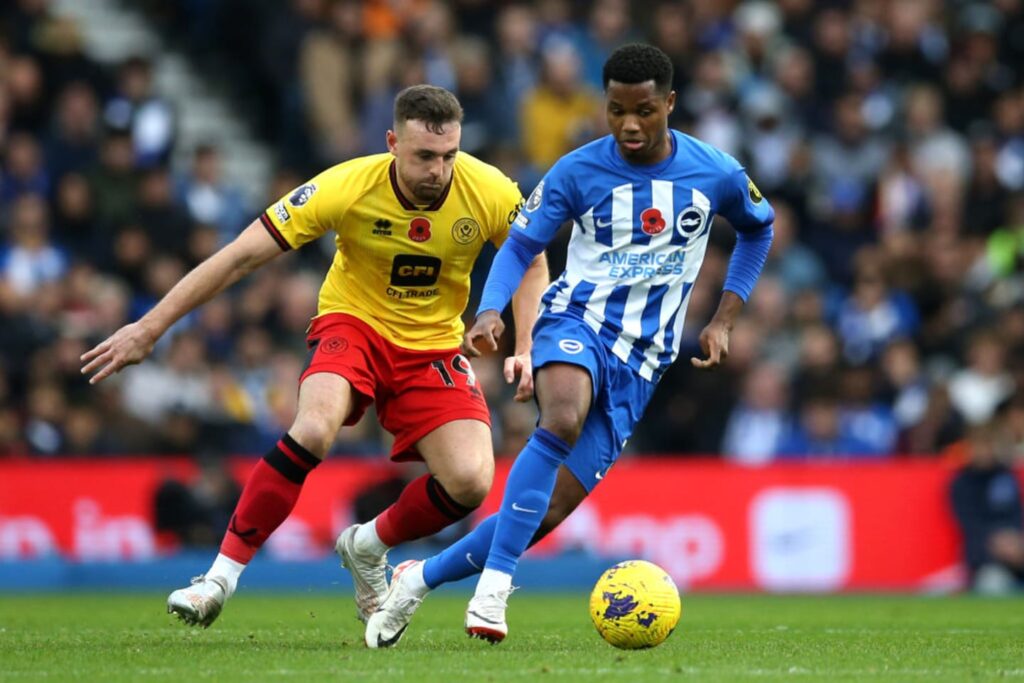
665,357
648,324
614,307
580,295
553,291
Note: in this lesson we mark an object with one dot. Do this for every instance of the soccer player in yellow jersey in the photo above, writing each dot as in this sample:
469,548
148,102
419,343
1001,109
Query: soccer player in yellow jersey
409,225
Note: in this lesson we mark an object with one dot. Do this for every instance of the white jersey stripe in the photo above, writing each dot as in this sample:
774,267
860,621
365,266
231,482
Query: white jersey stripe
622,216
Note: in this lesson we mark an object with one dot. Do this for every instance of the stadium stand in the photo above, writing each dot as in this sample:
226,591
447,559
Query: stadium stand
889,137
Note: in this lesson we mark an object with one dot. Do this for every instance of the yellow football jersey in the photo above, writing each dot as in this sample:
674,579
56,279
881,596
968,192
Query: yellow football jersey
402,270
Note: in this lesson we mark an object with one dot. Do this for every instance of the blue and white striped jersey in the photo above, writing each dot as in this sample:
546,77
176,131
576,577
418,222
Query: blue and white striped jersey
638,239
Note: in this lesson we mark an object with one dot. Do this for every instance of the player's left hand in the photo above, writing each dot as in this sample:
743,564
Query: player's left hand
522,366
714,341
486,328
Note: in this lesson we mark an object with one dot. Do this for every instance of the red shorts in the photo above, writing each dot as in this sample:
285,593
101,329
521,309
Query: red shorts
415,391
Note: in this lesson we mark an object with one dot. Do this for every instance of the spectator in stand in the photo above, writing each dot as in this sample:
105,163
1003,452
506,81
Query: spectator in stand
847,163
863,414
987,199
159,213
977,389
794,75
873,314
23,169
148,117
210,199
986,500
329,61
30,260
757,26
179,385
73,144
1005,246
906,386
770,136
114,181
431,33
934,147
796,266
760,422
84,433
669,26
608,26
708,102
26,95
560,113
1012,419
47,408
820,432
481,123
515,66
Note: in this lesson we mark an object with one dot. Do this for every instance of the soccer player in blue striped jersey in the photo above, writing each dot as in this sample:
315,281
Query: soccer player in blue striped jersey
641,202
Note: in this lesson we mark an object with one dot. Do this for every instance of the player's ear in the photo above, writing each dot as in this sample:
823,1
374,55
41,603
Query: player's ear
392,139
671,101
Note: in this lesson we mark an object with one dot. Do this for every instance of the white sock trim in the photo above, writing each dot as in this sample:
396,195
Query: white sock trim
493,581
367,541
227,569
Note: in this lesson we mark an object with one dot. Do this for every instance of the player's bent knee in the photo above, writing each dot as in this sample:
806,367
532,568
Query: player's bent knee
468,488
315,433
565,422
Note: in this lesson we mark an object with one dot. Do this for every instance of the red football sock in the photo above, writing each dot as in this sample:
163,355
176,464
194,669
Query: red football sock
267,499
423,509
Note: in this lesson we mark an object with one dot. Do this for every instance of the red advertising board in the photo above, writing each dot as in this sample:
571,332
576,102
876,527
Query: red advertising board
713,525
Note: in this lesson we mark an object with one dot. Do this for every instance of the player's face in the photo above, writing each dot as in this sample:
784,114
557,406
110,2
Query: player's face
424,158
638,118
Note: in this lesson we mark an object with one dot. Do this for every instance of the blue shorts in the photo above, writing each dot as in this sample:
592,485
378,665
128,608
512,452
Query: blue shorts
620,395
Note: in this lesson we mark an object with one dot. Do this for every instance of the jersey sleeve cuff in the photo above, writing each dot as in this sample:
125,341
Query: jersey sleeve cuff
274,232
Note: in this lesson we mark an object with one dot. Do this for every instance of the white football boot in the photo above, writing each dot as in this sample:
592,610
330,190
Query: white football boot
386,626
369,573
200,603
485,616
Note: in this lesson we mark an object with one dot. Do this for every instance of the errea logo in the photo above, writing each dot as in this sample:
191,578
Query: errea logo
570,346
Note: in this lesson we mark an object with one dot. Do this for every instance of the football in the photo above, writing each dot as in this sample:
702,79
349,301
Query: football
635,605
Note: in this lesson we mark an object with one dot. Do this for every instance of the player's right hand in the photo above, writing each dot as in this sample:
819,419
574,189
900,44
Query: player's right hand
128,346
522,367
487,328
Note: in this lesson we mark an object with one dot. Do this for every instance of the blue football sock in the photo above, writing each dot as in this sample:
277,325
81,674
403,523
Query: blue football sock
463,558
527,496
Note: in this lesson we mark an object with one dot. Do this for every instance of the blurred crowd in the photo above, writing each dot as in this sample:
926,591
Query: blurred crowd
888,135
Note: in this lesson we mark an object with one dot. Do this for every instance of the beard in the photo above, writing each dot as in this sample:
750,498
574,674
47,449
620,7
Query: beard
427,193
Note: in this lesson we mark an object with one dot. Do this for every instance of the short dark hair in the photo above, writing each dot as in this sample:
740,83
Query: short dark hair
430,104
639,63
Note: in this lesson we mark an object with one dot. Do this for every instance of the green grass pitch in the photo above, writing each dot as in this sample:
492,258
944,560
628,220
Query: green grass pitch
110,637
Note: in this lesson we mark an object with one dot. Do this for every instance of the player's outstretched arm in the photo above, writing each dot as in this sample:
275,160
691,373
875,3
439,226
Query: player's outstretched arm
133,342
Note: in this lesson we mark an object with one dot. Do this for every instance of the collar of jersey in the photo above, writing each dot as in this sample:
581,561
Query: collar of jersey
406,204
652,169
